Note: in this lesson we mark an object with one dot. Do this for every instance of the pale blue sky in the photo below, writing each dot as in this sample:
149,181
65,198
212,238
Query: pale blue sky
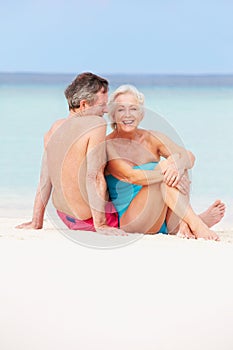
117,36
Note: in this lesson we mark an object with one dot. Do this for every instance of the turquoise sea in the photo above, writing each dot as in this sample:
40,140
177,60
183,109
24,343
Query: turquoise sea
196,111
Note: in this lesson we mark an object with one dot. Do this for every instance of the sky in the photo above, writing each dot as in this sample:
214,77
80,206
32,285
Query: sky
117,36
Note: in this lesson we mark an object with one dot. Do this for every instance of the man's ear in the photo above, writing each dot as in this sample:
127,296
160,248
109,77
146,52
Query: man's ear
83,105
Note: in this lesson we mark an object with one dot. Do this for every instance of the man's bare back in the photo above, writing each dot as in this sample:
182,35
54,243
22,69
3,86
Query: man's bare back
74,160
66,153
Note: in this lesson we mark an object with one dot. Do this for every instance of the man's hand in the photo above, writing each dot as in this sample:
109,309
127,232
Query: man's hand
110,231
30,225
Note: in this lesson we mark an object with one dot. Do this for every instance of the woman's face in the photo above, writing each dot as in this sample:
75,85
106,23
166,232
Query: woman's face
128,112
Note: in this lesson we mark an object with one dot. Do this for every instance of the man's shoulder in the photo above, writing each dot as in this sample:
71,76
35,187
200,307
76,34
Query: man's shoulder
88,121
57,124
52,130
94,124
95,119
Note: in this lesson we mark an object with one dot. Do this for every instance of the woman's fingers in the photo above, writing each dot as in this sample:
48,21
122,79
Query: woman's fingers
184,185
170,177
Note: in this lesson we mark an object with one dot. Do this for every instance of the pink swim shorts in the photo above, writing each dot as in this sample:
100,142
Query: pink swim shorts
88,225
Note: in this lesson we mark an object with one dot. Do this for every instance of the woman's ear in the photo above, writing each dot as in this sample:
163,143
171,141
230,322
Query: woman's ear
142,115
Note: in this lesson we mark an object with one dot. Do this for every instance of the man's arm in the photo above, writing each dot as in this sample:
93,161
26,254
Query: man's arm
44,188
41,199
95,180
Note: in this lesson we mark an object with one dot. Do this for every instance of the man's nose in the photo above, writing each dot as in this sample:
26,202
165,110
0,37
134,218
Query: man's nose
105,109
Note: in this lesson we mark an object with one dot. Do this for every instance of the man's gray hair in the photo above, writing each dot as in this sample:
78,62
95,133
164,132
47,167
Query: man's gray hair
85,87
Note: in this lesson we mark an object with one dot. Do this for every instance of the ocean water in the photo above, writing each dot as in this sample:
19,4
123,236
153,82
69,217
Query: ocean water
196,114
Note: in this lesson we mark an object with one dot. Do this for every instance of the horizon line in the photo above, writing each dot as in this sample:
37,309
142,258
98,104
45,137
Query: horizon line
121,73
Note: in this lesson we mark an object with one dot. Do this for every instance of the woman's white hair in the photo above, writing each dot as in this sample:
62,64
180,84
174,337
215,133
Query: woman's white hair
123,89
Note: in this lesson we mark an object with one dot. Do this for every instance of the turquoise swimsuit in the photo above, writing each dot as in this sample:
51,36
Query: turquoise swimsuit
122,193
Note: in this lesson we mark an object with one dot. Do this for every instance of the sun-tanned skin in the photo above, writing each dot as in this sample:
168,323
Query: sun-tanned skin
126,147
211,216
73,167
163,188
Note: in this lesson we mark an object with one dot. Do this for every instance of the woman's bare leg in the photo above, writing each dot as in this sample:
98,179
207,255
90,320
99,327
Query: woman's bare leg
148,210
180,205
211,216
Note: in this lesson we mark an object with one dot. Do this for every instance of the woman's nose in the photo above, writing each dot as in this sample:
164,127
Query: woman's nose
127,112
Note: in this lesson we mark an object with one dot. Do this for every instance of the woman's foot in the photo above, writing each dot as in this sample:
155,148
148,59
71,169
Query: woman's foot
209,217
203,231
200,232
185,231
213,214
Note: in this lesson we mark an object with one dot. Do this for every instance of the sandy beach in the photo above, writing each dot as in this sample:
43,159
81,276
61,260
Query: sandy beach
160,292
69,290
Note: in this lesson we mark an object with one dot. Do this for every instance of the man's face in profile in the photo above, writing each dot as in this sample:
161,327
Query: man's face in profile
99,107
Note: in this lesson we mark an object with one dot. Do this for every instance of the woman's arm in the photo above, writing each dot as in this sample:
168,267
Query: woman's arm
168,149
178,159
120,169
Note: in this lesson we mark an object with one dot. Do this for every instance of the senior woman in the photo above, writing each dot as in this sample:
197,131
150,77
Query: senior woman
149,194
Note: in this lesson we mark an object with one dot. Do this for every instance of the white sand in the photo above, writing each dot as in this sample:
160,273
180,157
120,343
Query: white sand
160,292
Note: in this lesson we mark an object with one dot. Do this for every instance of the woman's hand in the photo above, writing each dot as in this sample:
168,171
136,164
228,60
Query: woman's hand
184,185
174,171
